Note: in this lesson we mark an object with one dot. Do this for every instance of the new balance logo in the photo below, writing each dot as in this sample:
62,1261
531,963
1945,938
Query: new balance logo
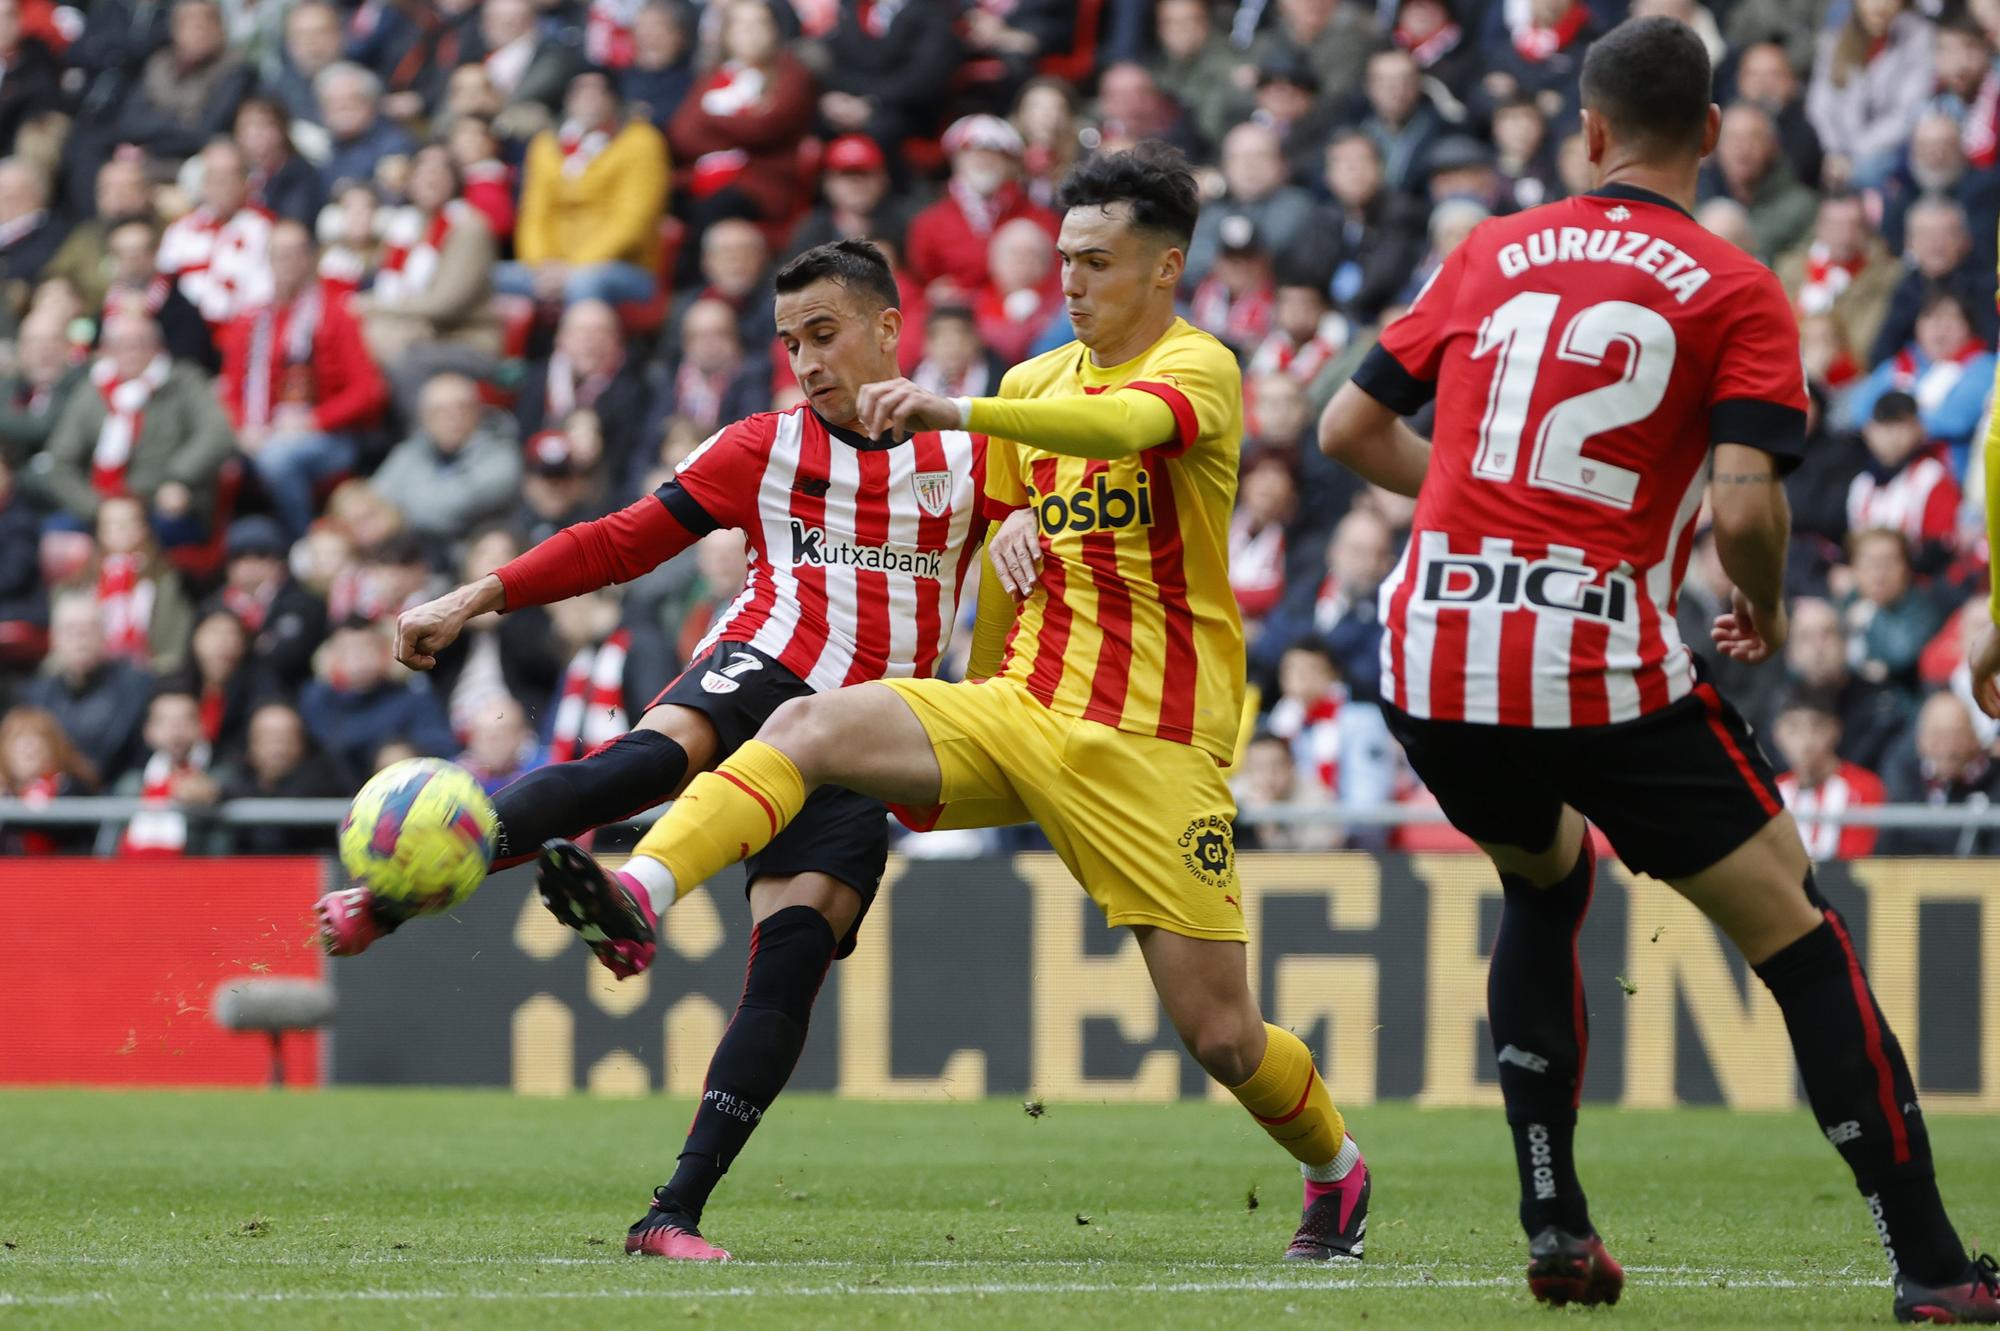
1522,1058
1842,1133
813,487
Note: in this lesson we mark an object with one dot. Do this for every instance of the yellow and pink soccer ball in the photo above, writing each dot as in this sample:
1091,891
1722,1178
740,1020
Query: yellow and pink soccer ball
419,834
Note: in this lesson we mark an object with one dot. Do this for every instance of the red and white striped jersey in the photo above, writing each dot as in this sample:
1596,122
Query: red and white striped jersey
1585,356
858,548
1920,500
1818,811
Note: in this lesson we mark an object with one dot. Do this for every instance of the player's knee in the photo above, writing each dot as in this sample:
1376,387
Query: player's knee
1225,1046
802,730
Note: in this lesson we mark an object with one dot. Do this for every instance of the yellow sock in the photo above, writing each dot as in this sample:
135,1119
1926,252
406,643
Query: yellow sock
725,816
1289,1100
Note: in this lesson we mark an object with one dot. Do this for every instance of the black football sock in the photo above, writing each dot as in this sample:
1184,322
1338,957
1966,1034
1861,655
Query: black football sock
635,771
789,955
1861,1093
1541,1034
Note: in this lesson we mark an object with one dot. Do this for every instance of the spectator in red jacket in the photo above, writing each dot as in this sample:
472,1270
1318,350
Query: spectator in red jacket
297,381
736,135
1906,484
948,240
1822,785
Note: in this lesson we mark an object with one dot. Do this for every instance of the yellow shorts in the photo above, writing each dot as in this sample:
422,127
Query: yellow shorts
1143,823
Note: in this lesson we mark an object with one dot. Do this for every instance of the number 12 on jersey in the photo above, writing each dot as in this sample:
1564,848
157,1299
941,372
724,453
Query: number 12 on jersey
1519,333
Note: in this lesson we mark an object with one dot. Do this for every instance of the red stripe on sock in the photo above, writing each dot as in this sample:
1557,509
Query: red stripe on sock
1579,1014
1871,1039
1712,702
1297,1109
747,789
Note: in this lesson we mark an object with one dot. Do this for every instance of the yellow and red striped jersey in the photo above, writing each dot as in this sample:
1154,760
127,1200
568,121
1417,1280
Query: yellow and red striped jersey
1133,623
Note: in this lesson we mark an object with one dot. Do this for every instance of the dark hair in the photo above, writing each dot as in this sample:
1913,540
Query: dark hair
1153,178
948,314
1650,78
1937,293
854,264
1809,700
1312,645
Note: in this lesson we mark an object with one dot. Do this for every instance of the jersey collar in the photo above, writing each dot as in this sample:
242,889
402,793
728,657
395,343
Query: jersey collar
1634,194
859,442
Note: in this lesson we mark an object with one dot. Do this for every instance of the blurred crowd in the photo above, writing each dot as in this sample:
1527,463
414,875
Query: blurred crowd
310,309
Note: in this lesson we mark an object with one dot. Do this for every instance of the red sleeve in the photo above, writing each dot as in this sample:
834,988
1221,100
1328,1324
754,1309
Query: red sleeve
723,476
1401,370
1758,394
1187,428
592,555
1864,788
341,362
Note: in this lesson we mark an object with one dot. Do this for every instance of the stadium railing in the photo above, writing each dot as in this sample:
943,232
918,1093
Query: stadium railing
76,811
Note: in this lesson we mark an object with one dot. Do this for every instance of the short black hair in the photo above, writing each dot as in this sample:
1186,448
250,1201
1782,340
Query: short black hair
949,314
1154,178
1809,700
854,264
1651,79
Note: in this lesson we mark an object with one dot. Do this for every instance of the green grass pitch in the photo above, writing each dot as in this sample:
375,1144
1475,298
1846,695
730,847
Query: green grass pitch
393,1209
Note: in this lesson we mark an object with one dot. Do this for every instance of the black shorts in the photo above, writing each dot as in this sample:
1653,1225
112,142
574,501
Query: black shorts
837,833
1675,792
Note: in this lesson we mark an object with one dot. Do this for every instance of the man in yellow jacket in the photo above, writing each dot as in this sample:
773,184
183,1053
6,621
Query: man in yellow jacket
1983,651
592,194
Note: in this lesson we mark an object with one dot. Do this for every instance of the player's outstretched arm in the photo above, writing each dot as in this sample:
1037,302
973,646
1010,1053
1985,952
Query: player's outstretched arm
1104,426
1753,525
1368,438
576,560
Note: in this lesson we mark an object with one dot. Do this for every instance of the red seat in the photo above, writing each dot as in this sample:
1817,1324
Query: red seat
204,561
1077,64
22,643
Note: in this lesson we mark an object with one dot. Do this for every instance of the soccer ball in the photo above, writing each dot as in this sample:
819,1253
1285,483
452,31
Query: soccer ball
419,835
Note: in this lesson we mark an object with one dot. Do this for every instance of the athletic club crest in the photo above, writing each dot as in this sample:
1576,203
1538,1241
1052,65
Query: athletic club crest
933,491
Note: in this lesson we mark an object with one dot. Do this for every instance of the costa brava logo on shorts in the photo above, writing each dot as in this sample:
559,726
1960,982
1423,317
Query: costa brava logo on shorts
1208,851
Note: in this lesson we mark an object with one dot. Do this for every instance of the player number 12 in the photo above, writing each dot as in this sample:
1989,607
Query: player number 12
1519,332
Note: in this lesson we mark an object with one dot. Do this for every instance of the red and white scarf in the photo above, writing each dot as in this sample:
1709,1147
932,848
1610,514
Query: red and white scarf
1538,44
565,393
1239,320
148,300
607,32
1256,565
1279,354
698,395
124,417
591,707
1931,382
222,266
252,607
125,603
1980,135
1313,731
983,211
580,147
410,249
1826,279
301,327
162,830
1433,48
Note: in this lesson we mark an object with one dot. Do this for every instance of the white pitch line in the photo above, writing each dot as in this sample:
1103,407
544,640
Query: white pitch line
867,1291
